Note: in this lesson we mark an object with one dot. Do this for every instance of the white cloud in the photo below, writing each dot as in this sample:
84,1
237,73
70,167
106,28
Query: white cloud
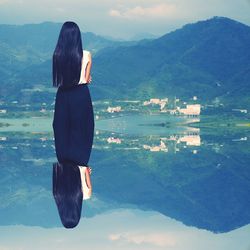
115,13
3,1
58,9
156,239
149,16
156,11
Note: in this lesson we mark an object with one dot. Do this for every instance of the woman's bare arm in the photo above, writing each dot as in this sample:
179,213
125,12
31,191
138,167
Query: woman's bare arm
88,180
88,69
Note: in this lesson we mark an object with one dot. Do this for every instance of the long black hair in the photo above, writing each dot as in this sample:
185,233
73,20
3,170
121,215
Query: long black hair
67,57
67,192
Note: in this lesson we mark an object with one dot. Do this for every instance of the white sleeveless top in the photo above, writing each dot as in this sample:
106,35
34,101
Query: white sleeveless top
85,61
85,188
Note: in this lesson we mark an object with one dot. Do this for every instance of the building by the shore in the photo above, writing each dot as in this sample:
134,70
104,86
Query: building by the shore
191,109
114,109
161,102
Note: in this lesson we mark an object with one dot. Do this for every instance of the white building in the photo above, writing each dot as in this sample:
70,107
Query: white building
161,102
114,109
114,140
191,109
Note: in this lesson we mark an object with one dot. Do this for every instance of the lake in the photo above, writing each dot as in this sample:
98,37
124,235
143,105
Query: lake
159,182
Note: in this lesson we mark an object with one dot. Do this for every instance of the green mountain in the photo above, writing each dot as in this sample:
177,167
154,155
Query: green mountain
208,59
41,39
26,51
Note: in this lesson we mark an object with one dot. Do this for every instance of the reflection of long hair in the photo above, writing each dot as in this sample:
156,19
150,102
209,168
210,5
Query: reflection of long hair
67,57
67,192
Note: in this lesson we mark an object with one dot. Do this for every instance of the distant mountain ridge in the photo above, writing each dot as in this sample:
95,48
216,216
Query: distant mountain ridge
29,44
207,59
43,37
201,59
24,48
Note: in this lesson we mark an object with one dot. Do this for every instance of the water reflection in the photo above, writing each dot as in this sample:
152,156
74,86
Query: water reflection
123,229
71,184
198,177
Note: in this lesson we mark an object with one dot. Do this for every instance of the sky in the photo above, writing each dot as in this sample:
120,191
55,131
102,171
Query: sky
123,229
123,18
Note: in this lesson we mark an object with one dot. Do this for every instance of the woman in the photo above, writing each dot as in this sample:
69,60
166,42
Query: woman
73,122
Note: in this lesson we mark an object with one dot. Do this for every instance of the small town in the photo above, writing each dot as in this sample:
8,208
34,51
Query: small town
103,108
152,106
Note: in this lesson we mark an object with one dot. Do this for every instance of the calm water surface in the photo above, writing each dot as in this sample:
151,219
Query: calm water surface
158,183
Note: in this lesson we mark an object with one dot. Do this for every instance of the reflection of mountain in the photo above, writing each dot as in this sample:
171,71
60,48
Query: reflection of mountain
211,194
207,190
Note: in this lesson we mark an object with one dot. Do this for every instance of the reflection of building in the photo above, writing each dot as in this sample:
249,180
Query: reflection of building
171,143
172,111
42,110
240,110
191,140
3,111
191,109
114,140
161,147
114,109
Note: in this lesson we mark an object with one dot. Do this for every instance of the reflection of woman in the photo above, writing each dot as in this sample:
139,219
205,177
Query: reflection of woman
71,184
86,181
73,122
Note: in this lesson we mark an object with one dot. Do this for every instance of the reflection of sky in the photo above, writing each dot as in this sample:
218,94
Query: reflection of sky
123,229
211,194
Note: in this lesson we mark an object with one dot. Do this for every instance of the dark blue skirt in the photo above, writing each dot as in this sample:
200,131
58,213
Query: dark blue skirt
73,124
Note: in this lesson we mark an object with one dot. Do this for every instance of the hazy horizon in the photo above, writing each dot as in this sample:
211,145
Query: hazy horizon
123,19
137,36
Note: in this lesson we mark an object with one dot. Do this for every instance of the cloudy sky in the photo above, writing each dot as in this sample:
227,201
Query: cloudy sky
123,18
123,230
